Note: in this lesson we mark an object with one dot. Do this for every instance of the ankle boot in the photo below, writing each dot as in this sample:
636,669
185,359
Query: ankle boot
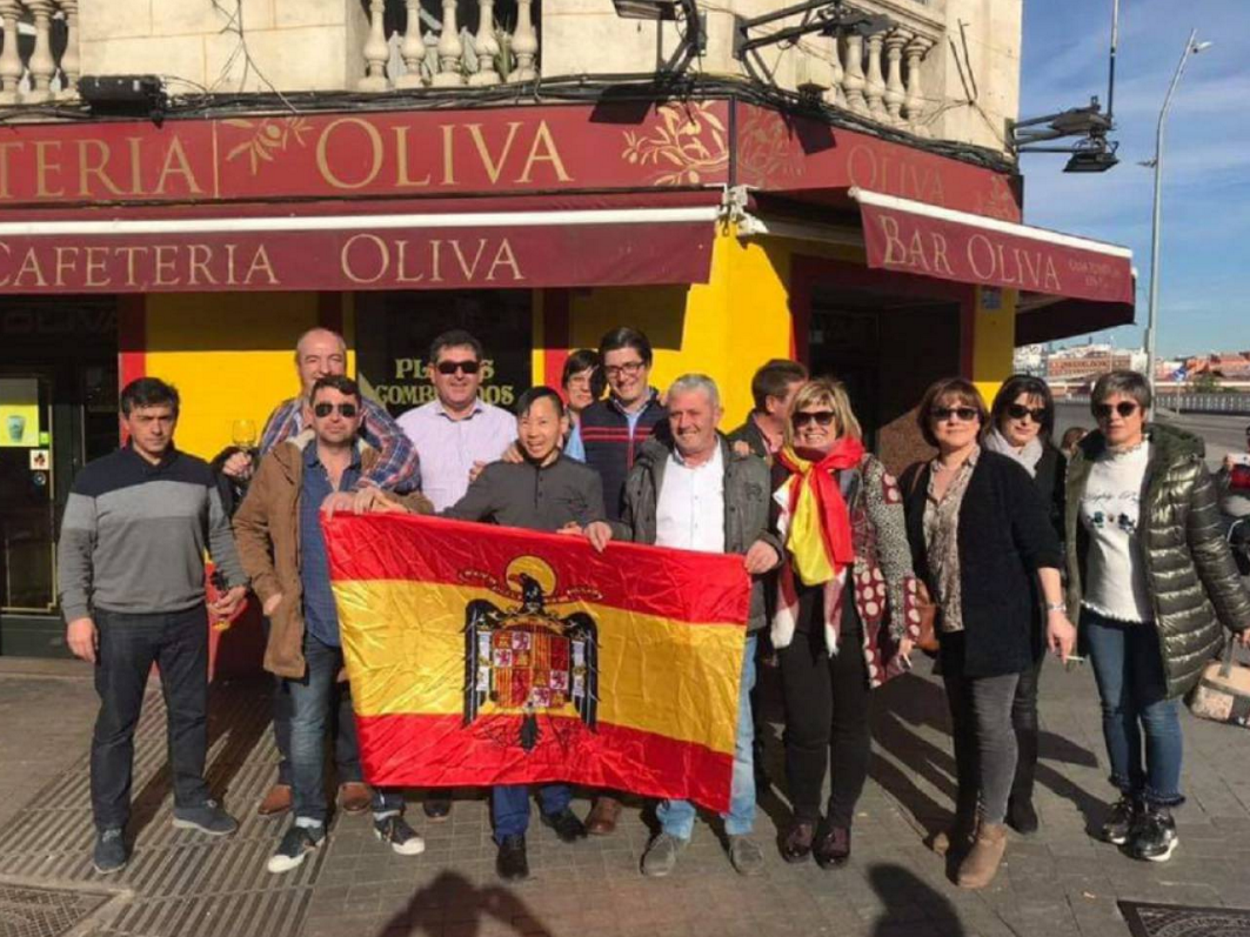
956,840
981,864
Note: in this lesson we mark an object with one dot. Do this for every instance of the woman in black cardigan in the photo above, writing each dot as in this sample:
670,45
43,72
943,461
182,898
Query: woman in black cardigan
979,535
1022,419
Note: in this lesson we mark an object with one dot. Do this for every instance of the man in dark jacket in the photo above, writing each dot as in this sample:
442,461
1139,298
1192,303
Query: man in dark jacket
772,389
696,493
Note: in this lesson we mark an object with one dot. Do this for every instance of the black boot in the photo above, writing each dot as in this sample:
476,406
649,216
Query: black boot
512,864
1154,838
1021,816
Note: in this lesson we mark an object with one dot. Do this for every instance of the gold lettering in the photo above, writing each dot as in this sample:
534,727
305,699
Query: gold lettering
468,271
260,263
97,257
379,245
375,145
230,250
44,167
449,154
1052,284
401,161
66,262
198,258
166,259
549,155
436,267
861,167
136,165
87,170
505,257
1030,260
982,242
401,272
5,150
130,252
889,227
941,263
916,257
493,169
30,265
8,257
176,153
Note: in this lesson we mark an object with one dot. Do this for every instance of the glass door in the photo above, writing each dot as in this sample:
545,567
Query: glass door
28,485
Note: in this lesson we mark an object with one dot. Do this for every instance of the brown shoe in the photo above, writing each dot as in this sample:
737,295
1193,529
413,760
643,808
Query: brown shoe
961,835
355,797
277,801
981,864
603,816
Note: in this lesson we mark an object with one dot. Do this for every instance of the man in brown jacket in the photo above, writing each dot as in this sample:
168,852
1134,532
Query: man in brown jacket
278,531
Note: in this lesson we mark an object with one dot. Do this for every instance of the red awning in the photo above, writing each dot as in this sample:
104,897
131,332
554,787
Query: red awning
396,247
912,237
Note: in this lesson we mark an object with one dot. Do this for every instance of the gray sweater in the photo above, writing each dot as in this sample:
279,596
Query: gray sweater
524,495
133,536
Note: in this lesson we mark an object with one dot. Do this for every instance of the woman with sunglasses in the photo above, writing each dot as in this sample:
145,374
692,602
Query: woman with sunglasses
845,616
1153,580
980,535
1022,419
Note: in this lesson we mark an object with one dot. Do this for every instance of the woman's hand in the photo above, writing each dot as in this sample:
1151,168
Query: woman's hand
1060,634
905,648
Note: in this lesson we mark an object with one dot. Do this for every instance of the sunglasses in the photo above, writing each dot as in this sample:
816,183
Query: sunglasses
451,367
1125,408
1018,412
323,410
819,417
963,414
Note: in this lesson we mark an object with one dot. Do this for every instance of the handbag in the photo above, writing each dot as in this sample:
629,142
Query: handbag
1223,692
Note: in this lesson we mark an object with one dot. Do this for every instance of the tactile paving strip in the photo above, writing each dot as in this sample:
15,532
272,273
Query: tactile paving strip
44,912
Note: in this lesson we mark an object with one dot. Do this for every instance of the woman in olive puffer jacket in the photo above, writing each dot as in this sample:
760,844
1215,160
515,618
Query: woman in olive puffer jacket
1154,584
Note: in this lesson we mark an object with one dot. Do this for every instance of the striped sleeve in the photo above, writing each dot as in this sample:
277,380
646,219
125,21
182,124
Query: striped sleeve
74,553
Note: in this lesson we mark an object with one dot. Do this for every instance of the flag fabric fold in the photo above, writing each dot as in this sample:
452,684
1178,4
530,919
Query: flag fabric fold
482,655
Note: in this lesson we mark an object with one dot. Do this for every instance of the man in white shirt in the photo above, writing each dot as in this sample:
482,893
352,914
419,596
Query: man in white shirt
455,435
695,493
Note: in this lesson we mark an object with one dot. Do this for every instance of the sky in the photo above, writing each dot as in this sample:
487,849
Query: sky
1204,287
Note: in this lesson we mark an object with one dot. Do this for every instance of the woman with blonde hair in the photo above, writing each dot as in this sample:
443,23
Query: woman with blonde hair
980,533
845,616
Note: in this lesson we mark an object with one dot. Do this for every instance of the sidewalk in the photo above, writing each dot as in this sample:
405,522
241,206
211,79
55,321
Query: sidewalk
1058,882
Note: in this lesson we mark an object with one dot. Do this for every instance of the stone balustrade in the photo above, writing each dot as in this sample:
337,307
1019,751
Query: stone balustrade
881,77
408,47
39,59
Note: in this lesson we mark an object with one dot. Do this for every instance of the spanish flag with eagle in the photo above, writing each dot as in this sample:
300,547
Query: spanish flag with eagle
482,655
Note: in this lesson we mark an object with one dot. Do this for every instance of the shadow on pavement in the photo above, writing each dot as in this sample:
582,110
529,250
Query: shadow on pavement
913,906
424,913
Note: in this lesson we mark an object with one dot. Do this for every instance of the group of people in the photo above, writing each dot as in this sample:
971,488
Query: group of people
998,547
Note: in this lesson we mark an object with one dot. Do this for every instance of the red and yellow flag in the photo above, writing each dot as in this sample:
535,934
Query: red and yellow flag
483,655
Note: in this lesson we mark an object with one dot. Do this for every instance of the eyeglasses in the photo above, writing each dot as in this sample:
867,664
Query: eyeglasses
1125,408
323,410
451,367
629,367
1018,412
805,417
962,414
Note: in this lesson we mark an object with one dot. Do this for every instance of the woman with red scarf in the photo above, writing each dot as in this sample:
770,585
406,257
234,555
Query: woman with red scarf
845,616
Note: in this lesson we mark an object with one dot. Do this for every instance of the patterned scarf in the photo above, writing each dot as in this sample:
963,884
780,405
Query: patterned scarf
819,537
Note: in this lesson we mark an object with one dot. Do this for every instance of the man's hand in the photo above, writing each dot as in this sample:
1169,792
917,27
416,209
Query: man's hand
339,501
478,468
271,604
572,527
227,604
1229,462
381,504
512,454
1060,634
761,558
742,448
82,638
238,466
1244,638
598,533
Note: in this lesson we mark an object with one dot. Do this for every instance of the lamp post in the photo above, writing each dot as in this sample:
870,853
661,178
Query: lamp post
1192,47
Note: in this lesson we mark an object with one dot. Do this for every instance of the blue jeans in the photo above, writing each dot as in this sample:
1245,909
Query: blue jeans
177,642
510,806
1128,666
677,816
311,701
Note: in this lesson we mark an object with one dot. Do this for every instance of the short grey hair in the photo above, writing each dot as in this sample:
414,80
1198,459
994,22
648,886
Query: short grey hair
689,382
1128,383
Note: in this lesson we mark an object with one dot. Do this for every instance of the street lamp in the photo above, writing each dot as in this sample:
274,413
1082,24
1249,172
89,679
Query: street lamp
1192,47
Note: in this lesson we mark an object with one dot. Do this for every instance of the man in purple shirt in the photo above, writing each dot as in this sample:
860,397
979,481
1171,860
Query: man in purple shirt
322,353
457,434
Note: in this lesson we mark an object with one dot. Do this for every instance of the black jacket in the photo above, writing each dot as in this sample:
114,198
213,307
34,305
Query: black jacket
750,434
537,498
611,449
1005,536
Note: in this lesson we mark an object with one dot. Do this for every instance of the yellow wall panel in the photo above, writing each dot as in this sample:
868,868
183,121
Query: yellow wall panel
993,343
231,357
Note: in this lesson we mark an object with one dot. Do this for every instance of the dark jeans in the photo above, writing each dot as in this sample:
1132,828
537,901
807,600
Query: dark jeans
311,701
1128,667
510,806
985,743
1024,721
177,642
827,716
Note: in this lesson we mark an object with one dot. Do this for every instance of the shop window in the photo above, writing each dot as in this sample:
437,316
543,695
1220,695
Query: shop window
394,332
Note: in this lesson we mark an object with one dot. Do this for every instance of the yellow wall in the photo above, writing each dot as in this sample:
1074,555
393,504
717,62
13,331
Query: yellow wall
993,343
231,357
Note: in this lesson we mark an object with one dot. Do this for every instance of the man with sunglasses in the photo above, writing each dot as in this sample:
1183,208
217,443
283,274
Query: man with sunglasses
278,529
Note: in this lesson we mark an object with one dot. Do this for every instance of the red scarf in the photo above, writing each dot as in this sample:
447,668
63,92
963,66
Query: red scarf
815,480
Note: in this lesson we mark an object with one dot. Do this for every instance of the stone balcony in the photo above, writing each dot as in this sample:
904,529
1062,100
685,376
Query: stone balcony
944,69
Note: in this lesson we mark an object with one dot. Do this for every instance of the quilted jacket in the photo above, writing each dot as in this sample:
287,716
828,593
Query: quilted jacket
1193,583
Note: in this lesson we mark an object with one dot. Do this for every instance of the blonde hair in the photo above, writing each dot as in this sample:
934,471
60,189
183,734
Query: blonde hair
826,392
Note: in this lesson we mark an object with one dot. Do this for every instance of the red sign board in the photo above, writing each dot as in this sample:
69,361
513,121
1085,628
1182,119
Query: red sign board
967,253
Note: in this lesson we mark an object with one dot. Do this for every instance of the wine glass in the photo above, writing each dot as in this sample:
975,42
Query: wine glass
243,432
